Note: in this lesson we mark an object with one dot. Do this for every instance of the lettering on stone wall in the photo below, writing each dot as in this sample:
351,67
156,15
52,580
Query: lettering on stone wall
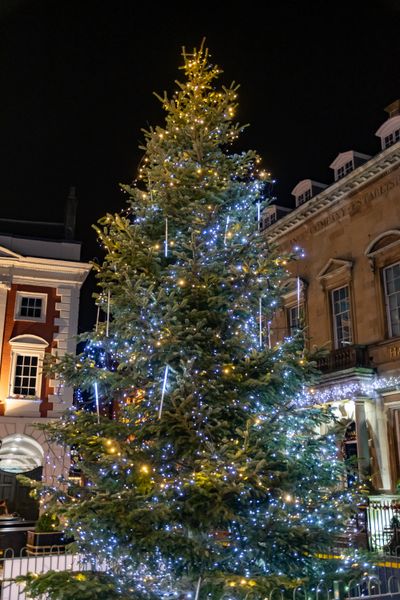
356,205
332,218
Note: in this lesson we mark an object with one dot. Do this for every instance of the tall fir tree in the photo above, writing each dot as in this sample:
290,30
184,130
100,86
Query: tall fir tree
210,480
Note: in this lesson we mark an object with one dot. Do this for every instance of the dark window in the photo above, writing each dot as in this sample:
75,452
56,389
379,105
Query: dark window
391,277
31,307
341,316
26,375
391,139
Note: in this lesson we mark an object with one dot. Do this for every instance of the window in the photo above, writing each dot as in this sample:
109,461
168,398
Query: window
341,316
26,375
391,139
27,354
30,307
344,169
295,318
391,277
269,220
303,197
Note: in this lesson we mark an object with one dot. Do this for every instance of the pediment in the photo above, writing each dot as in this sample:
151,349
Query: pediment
383,241
293,284
334,266
6,253
28,340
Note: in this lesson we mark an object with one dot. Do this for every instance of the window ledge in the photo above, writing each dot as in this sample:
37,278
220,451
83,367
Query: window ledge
22,407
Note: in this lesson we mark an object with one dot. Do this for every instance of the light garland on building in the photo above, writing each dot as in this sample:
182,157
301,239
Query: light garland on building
364,389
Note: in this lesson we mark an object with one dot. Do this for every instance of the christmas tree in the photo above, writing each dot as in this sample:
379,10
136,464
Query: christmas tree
210,481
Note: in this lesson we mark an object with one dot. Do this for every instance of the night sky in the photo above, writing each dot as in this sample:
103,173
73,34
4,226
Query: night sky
76,81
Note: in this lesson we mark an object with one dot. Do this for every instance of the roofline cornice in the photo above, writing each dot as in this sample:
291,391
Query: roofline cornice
386,160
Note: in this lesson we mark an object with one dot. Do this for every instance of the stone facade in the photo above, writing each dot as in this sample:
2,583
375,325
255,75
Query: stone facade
344,292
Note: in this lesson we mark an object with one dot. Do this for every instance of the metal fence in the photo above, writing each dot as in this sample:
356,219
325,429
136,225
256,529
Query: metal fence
383,525
13,565
384,584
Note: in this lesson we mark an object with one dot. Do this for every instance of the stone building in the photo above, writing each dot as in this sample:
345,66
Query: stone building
346,293
40,281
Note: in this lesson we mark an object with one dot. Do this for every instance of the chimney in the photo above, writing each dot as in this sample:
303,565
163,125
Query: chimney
393,109
70,214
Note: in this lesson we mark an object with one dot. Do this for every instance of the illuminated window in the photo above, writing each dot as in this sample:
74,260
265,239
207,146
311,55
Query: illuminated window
30,307
392,296
341,314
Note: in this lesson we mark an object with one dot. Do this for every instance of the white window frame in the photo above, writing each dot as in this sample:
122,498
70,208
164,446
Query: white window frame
340,343
345,169
18,301
391,138
388,315
27,345
304,197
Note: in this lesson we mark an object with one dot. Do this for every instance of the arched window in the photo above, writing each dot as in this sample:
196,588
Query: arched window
27,353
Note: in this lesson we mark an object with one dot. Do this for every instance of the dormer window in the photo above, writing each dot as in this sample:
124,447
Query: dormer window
345,162
269,219
303,197
391,139
346,168
271,214
389,131
306,189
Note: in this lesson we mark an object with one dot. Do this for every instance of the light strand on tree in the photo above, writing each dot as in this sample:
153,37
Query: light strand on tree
258,215
260,322
226,229
298,300
96,395
269,333
97,317
108,313
164,387
166,238
198,589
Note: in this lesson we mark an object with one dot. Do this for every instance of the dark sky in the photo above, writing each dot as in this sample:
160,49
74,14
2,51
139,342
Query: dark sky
76,83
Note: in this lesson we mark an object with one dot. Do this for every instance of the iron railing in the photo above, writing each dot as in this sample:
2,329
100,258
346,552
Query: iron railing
382,584
344,358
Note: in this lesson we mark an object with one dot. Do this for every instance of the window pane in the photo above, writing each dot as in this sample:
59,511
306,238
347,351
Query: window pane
392,293
26,373
341,317
31,307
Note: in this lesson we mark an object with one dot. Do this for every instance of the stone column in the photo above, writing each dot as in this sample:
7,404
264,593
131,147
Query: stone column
381,443
363,454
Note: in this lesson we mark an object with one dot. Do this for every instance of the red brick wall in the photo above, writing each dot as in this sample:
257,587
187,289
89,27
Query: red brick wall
12,328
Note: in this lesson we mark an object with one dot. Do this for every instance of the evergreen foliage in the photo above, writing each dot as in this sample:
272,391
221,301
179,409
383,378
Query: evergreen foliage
210,477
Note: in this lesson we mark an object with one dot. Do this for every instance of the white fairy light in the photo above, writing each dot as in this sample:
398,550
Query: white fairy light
164,387
166,238
96,395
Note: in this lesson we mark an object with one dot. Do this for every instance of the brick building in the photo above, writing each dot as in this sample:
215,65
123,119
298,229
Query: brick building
40,281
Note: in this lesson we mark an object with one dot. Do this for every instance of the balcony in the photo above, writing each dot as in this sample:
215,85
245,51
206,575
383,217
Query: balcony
349,357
